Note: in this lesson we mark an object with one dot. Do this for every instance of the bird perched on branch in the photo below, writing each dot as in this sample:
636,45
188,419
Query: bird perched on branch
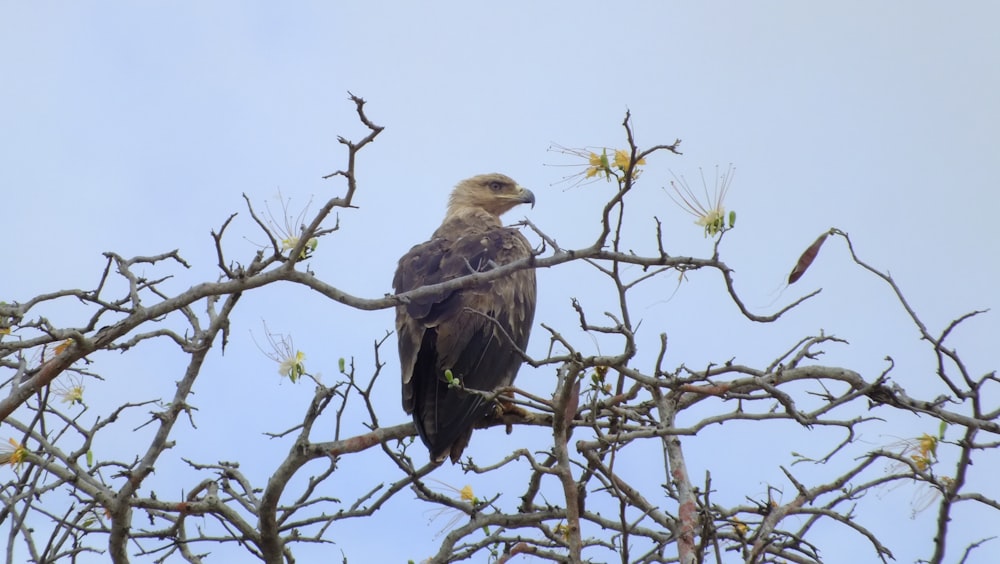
457,342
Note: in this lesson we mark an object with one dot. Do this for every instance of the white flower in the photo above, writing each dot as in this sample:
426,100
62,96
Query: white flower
712,214
291,361
292,366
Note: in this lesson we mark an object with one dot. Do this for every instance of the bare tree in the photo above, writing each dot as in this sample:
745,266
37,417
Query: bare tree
608,481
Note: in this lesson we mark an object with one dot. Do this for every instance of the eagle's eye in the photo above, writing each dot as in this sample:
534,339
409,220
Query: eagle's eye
496,186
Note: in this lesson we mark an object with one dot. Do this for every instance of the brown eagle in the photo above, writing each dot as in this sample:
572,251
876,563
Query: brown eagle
468,334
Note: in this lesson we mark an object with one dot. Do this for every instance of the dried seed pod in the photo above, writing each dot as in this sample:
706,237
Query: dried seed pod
806,259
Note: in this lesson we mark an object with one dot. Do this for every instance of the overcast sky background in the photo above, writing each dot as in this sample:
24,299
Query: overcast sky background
135,128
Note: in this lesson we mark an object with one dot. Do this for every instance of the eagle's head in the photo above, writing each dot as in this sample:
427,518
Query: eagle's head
495,193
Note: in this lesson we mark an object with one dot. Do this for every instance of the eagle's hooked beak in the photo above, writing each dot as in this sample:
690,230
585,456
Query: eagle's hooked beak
526,196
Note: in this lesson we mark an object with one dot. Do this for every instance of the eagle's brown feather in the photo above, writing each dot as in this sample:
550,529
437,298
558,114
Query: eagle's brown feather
467,331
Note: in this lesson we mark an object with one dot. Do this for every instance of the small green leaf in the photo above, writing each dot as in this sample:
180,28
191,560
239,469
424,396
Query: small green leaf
732,219
341,363
90,459
944,425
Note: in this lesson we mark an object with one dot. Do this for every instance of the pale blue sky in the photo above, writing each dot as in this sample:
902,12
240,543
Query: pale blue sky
136,127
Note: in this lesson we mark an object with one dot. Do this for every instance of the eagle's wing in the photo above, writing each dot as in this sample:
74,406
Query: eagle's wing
466,331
